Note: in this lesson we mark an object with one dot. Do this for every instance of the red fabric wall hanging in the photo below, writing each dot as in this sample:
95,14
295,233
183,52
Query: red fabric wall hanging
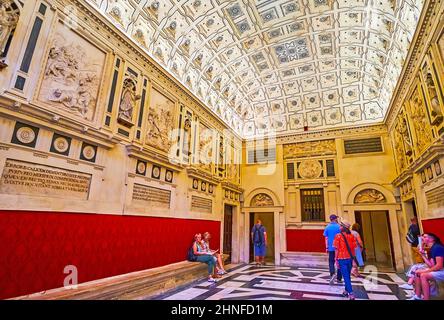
36,246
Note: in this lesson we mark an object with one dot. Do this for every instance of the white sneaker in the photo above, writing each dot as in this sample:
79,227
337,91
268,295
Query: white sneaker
212,280
415,297
406,286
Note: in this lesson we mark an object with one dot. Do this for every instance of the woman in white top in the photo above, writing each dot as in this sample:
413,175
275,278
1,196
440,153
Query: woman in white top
355,232
217,256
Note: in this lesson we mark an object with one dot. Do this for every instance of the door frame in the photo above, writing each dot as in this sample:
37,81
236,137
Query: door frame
389,229
279,231
394,213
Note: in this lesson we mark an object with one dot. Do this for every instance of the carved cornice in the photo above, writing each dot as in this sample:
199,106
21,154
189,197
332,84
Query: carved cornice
406,175
152,156
420,45
22,111
199,174
327,134
232,187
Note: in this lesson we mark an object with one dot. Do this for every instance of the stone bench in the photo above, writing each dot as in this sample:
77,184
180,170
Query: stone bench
131,286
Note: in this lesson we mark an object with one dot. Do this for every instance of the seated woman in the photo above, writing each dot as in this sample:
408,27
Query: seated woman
435,271
217,256
203,256
413,268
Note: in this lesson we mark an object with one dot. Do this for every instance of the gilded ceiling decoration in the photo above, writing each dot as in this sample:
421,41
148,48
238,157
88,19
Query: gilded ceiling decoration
265,65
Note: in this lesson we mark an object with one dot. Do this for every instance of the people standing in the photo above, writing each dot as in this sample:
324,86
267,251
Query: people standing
358,251
259,239
412,238
345,245
330,232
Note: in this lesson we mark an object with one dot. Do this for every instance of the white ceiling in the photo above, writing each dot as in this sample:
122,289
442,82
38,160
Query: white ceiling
265,65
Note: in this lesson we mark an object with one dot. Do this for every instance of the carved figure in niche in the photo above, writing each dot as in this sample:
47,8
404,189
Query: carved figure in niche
399,154
8,21
420,124
403,131
369,196
434,100
128,101
262,200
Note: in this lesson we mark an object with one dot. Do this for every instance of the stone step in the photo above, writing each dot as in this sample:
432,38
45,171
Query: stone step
135,285
304,259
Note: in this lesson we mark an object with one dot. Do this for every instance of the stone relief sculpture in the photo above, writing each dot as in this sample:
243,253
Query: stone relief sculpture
399,152
370,196
128,102
419,120
205,148
72,74
8,21
262,200
160,121
307,148
310,169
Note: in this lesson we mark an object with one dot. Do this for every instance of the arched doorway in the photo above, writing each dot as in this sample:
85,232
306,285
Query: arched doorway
375,209
263,204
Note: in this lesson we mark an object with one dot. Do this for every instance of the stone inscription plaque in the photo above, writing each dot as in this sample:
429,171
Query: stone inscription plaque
435,197
200,204
20,177
154,196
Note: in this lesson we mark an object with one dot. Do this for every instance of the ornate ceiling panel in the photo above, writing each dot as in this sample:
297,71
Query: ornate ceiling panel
277,65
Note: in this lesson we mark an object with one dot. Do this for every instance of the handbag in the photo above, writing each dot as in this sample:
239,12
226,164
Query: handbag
348,249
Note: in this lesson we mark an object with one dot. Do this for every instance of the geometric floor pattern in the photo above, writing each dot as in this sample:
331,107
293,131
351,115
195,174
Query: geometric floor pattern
248,282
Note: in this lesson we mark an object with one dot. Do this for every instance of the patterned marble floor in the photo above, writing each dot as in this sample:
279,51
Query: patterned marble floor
248,282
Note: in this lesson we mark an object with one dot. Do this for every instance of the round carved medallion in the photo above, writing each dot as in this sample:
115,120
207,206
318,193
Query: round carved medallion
89,152
61,144
141,167
310,169
156,172
25,135
169,176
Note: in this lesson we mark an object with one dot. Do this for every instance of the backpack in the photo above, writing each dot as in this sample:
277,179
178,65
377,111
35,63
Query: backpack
190,254
260,236
411,238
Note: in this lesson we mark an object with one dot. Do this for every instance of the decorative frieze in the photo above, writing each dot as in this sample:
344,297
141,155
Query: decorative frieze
370,196
310,148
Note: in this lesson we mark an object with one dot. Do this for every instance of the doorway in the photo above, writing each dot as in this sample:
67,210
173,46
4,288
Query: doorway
267,219
377,238
228,231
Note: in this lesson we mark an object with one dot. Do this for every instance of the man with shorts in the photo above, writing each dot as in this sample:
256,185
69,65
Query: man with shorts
259,238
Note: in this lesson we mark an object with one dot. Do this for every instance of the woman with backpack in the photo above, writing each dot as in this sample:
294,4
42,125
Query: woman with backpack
345,245
203,256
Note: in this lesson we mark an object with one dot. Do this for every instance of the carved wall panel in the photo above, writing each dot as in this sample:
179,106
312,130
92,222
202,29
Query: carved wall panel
370,196
205,149
161,120
305,149
432,92
72,74
420,121
262,200
310,169
9,16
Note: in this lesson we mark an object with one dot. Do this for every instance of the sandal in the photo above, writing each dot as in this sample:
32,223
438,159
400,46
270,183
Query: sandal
345,294
351,296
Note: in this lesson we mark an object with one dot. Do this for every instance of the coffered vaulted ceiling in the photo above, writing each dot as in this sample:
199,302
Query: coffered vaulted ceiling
264,65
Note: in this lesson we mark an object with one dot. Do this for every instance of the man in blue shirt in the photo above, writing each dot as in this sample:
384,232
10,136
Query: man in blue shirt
331,230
